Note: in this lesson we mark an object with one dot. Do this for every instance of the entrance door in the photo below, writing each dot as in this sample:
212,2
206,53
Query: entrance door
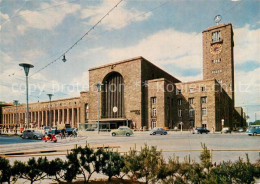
153,124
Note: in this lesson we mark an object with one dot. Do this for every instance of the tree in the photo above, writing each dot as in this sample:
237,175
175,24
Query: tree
5,170
56,168
84,161
113,164
32,170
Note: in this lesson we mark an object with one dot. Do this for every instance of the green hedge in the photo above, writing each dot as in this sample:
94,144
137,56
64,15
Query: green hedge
147,165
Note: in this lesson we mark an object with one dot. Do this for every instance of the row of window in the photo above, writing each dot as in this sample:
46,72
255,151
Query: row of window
216,71
192,90
216,60
191,100
192,112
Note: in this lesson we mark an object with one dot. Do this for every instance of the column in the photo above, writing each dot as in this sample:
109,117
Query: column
38,122
42,118
78,118
54,117
68,116
46,118
73,118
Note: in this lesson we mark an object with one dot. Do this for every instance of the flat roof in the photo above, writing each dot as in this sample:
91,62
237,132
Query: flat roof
118,62
216,27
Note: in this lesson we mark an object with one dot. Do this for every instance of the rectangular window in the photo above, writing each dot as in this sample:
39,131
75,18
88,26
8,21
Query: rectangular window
191,90
203,88
154,112
179,91
180,113
179,101
204,111
191,112
216,60
191,100
153,100
216,36
86,111
204,99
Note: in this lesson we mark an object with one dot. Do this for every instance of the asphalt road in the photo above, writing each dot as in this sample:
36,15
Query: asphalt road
170,144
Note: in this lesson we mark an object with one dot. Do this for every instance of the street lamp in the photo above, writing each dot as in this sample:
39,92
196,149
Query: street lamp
16,103
98,90
26,68
50,95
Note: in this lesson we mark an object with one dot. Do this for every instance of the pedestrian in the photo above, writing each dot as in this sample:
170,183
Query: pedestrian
213,130
63,133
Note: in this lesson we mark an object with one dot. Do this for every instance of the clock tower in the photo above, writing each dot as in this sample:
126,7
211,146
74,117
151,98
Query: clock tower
218,56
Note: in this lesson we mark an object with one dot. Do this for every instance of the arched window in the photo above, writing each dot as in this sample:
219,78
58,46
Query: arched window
113,96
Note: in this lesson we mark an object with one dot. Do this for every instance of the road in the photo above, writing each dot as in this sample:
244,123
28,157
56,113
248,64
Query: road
170,144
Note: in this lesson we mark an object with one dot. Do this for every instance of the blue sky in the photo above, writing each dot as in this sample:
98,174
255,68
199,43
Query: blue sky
168,33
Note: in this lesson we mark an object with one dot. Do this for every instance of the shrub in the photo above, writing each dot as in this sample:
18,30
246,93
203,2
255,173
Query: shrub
144,165
113,164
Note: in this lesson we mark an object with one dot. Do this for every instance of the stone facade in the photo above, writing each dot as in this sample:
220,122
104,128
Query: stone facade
137,93
64,111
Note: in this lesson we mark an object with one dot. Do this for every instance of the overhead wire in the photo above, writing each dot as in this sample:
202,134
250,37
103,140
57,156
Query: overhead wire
70,48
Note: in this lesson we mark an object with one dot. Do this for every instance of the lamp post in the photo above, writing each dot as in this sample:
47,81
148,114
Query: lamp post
50,95
26,68
98,91
16,103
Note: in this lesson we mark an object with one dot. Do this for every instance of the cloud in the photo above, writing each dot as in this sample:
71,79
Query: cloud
2,18
119,18
165,47
246,45
47,19
247,91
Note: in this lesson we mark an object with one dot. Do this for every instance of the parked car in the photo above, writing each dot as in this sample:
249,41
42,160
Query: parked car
240,129
70,131
226,130
201,130
158,130
31,134
253,130
122,130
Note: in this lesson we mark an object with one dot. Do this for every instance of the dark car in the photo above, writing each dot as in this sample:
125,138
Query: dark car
54,132
201,130
158,130
71,131
31,134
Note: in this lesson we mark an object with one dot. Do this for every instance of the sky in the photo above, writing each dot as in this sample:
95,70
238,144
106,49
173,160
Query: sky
166,32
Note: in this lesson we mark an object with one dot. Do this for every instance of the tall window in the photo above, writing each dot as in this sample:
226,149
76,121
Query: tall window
179,101
113,96
204,99
203,88
86,111
191,112
204,111
153,100
180,113
216,36
154,112
191,100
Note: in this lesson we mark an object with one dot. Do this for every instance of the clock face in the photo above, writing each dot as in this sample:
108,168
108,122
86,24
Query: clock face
215,49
